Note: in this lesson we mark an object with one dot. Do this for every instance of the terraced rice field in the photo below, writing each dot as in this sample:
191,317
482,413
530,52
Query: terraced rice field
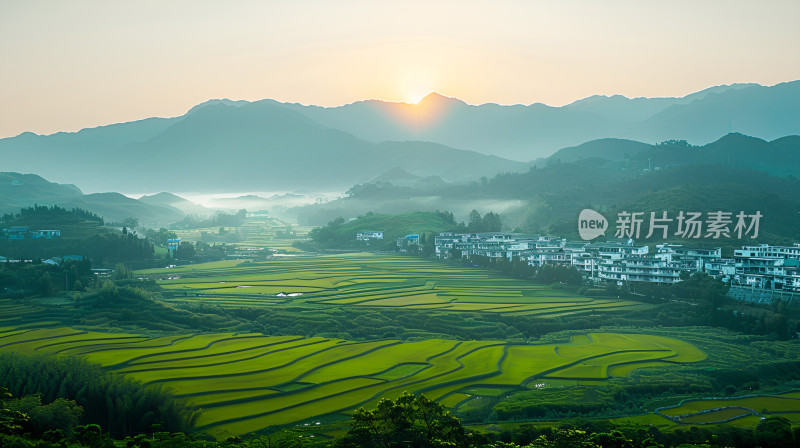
725,409
247,382
370,280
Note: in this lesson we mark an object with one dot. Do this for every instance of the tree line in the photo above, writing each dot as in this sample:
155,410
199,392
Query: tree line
408,421
118,404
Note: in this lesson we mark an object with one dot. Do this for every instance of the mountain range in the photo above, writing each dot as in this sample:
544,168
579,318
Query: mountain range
734,173
780,157
584,173
528,132
234,146
25,190
220,147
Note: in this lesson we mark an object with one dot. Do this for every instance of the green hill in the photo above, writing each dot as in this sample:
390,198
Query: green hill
26,190
342,234
681,178
82,233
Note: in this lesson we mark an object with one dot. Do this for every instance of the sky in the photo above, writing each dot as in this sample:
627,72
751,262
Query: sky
65,66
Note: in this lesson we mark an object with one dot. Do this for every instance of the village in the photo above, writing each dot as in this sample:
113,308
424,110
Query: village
758,273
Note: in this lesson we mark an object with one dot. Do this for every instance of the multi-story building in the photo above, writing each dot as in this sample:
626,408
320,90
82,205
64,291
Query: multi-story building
46,234
445,243
408,241
762,267
765,250
723,268
687,259
16,233
490,244
639,268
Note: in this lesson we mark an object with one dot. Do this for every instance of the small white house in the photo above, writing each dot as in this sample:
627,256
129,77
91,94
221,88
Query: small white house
46,234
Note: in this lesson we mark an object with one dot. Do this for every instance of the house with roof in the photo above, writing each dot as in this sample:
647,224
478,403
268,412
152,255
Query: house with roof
16,232
45,234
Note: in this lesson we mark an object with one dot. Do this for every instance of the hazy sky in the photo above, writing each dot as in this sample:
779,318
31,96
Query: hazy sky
66,65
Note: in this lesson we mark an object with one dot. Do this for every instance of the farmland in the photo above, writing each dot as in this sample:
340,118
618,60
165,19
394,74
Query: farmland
370,280
248,382
726,409
307,340
256,232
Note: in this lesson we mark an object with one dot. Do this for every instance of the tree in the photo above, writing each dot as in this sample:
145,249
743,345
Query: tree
774,432
491,222
121,272
565,438
130,222
411,420
185,251
46,286
475,221
61,414
11,420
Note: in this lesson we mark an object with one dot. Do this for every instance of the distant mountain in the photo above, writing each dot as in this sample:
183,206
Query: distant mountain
165,199
273,204
764,112
607,148
522,132
779,157
735,173
25,190
516,132
402,178
115,207
396,175
228,147
235,146
621,108
250,202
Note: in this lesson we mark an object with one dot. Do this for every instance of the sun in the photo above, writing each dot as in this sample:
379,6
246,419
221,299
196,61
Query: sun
414,82
415,98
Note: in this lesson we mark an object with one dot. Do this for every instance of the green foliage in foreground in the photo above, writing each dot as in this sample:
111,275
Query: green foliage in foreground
408,421
116,402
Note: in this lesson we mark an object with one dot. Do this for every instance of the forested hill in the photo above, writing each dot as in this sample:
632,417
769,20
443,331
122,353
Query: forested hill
548,199
780,157
558,193
82,233
26,190
341,233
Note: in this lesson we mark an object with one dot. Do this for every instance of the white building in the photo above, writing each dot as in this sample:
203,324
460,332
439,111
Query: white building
46,234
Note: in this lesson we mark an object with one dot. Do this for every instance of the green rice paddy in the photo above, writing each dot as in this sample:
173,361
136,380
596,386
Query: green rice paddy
248,382
724,409
369,280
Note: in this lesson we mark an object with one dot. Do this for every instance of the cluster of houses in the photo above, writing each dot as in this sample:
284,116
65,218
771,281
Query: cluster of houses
22,232
774,269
